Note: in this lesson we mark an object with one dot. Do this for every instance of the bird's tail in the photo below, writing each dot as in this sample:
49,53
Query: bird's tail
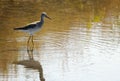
17,28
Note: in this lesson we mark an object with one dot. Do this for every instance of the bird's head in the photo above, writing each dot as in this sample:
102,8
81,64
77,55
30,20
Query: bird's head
44,14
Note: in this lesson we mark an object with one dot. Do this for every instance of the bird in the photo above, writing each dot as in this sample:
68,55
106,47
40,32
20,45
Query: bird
33,27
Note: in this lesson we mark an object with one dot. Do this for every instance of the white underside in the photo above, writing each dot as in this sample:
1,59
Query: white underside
32,30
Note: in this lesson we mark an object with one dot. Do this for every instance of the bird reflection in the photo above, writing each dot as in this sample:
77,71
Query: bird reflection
31,63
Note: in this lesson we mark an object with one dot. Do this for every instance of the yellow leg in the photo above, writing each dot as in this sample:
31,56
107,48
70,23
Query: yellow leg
32,41
30,46
28,39
28,42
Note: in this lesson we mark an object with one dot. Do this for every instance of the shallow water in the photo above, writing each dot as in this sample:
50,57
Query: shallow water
78,44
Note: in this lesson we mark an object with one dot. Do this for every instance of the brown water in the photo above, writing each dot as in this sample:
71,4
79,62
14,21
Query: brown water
80,43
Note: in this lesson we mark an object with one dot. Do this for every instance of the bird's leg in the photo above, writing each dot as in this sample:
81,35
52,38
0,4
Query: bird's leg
28,42
30,46
32,41
28,39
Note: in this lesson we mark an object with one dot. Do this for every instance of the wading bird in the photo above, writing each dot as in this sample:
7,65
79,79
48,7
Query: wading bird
32,28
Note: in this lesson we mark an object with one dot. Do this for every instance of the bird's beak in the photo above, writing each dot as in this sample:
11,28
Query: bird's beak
48,17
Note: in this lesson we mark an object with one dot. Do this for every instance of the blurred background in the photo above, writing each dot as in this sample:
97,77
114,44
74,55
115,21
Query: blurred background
80,43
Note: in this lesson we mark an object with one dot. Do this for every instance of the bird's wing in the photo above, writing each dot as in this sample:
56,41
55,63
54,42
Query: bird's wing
34,22
26,27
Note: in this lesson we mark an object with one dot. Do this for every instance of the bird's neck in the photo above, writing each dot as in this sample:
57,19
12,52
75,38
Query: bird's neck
40,23
42,19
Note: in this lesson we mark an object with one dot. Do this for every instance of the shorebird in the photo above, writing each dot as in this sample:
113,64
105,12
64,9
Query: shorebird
33,27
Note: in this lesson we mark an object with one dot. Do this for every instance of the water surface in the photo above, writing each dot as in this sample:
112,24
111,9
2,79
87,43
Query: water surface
80,43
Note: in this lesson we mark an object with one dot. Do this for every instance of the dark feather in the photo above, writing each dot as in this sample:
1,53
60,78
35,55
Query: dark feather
26,27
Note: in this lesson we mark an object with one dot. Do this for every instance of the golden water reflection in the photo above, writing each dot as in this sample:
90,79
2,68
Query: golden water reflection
80,43
31,63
